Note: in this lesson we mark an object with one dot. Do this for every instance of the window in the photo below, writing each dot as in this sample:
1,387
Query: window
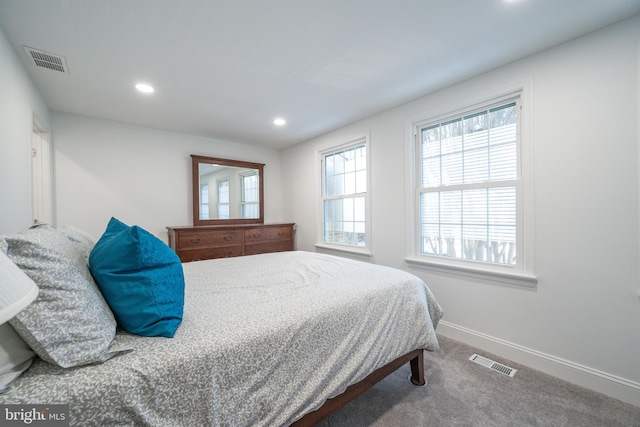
250,206
469,192
223,198
344,200
204,201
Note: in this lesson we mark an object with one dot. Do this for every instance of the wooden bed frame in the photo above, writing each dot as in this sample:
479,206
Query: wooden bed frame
415,358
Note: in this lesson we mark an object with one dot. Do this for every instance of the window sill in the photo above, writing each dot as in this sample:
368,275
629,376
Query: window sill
492,274
352,252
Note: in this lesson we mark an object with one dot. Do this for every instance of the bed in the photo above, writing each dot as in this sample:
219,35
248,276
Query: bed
265,340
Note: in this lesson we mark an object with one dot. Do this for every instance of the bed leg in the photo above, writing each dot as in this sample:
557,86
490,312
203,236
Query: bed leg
417,369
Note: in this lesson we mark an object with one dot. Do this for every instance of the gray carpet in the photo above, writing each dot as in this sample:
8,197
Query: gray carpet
462,393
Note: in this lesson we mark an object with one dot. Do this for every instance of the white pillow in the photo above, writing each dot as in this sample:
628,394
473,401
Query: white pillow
15,356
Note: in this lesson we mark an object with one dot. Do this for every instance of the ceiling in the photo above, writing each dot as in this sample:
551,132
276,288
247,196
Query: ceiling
226,69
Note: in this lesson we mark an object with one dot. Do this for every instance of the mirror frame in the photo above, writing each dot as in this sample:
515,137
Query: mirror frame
195,175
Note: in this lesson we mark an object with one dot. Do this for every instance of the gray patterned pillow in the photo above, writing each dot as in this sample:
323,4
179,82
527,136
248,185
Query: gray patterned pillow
83,240
69,323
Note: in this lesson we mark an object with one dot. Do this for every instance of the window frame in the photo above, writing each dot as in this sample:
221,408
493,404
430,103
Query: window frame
523,273
220,204
243,193
204,201
358,251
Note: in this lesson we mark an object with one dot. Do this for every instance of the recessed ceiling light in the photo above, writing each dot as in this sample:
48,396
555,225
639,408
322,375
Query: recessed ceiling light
143,87
279,122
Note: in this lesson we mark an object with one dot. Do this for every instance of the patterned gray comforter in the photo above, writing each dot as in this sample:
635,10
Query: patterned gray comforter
264,340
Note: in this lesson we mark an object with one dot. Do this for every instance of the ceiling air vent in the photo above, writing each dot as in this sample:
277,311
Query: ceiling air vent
47,60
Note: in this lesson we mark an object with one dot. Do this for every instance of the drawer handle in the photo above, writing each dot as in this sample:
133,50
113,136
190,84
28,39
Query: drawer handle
228,238
280,234
197,240
255,236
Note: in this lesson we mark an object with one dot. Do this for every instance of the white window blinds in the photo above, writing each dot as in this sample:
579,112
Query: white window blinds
469,184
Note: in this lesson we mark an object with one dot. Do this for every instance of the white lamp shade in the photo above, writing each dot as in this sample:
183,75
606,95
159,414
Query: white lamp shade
17,290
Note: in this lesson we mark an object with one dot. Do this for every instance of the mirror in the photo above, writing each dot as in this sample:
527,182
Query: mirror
227,191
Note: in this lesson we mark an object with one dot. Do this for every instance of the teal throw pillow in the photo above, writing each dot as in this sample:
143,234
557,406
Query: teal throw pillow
141,278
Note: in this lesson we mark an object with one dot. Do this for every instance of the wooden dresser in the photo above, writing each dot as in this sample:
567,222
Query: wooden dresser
220,241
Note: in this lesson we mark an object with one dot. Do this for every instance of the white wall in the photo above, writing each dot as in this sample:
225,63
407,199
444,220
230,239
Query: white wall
582,321
139,175
19,102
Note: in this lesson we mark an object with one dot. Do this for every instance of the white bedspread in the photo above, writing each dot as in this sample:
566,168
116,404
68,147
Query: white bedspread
264,340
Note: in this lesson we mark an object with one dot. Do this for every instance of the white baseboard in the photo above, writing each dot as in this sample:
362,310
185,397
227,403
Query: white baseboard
611,385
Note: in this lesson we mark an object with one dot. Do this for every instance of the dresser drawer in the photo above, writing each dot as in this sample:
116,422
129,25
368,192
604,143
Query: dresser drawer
210,253
267,247
267,234
209,239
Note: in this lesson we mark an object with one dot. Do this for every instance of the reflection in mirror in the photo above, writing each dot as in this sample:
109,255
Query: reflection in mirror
227,191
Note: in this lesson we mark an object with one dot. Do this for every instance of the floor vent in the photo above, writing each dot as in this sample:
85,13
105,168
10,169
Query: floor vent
488,363
47,60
